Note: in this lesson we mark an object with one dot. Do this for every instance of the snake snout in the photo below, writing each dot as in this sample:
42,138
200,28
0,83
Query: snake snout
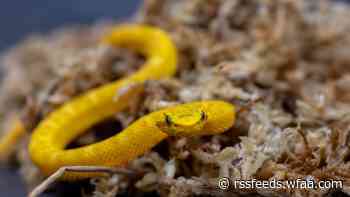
186,123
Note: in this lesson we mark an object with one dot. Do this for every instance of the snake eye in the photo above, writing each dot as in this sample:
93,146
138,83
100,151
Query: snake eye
168,120
203,116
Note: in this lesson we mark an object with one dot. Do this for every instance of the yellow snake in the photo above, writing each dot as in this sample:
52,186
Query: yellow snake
50,138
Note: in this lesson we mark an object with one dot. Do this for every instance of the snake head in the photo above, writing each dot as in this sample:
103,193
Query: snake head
187,123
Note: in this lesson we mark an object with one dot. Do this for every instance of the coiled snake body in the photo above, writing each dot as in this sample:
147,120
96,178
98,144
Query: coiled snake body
49,139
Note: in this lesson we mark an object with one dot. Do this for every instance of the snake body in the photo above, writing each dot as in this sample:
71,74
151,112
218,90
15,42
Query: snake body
60,127
8,141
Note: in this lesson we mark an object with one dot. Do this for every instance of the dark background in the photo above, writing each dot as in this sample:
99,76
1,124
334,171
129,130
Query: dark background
19,18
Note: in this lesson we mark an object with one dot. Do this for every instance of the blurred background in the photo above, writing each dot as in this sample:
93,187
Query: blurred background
19,18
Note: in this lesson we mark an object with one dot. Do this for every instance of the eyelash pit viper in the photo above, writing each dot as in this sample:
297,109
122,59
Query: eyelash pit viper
60,127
